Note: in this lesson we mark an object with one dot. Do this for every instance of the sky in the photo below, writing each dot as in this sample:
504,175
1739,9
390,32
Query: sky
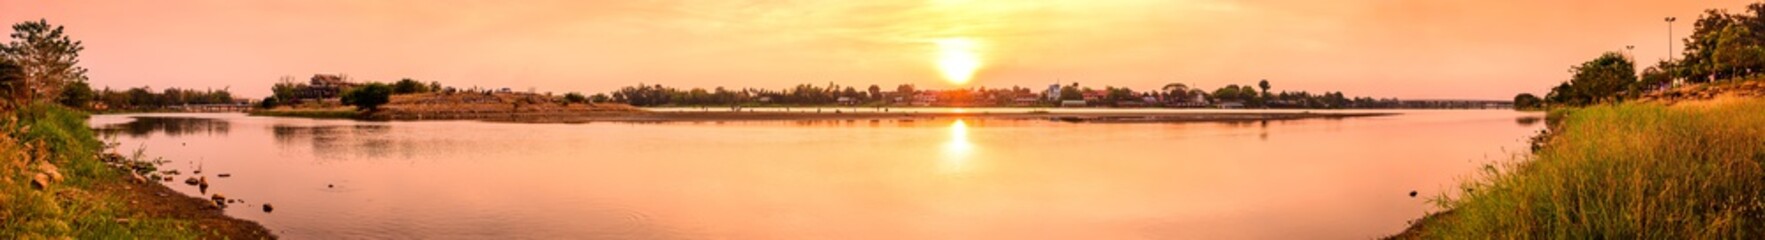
1411,49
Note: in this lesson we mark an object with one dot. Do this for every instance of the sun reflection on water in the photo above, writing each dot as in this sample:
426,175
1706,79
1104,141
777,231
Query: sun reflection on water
957,149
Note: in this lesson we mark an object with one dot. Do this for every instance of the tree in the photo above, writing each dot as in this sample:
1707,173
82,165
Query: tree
1653,78
1228,93
1602,78
47,59
76,94
875,92
1738,53
268,103
287,89
1527,101
1265,86
1723,46
599,98
408,86
1071,92
574,97
368,96
905,91
1177,92
1114,95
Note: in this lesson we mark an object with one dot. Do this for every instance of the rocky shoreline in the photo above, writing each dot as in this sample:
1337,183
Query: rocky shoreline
148,196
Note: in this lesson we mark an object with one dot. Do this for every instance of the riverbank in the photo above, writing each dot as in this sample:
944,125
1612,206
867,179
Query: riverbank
1682,169
55,184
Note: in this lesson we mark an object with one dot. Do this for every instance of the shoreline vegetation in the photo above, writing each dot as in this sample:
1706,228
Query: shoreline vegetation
1647,169
1675,152
57,180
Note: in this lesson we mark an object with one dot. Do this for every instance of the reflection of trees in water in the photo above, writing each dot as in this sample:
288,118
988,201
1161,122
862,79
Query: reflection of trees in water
345,141
171,126
1528,121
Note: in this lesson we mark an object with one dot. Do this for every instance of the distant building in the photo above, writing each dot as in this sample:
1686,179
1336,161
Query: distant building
1073,103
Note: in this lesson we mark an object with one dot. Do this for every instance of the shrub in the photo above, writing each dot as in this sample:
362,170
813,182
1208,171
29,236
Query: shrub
368,96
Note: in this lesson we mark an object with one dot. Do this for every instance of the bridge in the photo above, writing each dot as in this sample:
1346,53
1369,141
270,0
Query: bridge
223,107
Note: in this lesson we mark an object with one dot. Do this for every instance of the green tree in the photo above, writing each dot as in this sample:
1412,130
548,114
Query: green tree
599,98
76,94
1723,46
875,92
1071,92
46,57
1230,92
286,90
1738,53
409,86
268,103
1525,101
574,97
1176,92
1602,79
368,96
1265,86
905,91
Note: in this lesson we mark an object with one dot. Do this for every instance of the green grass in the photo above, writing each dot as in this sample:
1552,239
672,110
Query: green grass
1626,171
68,209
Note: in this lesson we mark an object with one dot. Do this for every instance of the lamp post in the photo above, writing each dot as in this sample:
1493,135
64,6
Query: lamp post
1670,37
1630,52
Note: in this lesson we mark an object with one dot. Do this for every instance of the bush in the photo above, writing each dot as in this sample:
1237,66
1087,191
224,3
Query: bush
408,86
575,98
269,102
368,96
1527,101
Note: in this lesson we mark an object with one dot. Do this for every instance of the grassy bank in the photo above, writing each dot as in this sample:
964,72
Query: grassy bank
53,185
1692,170
53,140
322,113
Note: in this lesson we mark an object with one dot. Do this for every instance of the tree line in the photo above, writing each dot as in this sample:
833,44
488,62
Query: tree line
1723,46
1174,94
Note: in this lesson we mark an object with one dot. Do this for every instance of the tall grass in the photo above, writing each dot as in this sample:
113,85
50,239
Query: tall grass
75,208
1627,171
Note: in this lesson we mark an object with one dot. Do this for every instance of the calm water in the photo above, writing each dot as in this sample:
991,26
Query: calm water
925,179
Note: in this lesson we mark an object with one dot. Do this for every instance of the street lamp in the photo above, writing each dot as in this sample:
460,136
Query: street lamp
1670,37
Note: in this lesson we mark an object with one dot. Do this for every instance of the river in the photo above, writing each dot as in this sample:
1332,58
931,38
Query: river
920,179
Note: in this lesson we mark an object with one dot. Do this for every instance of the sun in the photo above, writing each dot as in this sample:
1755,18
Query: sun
957,59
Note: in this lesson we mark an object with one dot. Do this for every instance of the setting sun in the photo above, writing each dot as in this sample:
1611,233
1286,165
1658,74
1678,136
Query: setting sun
957,59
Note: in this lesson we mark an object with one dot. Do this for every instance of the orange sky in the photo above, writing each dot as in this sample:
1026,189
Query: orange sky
1489,49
